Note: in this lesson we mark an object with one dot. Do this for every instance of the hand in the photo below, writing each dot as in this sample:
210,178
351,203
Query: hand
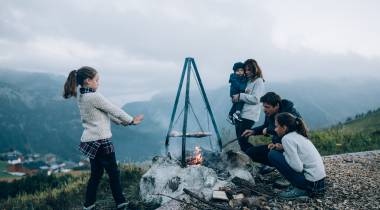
271,146
247,133
278,146
138,119
235,98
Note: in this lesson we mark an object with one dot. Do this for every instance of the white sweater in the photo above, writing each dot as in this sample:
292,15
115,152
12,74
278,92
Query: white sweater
302,156
96,112
253,92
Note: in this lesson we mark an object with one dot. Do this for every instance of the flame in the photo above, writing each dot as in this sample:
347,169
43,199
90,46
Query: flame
197,159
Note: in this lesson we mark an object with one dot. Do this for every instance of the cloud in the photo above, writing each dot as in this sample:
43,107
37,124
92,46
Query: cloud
139,46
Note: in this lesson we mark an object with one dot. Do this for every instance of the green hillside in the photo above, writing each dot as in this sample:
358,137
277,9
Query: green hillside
360,133
368,123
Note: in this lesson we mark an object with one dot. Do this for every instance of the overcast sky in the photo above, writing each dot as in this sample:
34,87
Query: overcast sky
139,46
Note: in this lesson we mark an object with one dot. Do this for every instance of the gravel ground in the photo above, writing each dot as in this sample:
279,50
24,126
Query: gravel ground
352,183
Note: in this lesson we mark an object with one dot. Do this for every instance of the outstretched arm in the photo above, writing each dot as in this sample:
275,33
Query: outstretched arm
118,115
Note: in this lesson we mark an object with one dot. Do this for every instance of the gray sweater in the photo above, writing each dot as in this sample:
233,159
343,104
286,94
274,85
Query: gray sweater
251,98
96,112
302,156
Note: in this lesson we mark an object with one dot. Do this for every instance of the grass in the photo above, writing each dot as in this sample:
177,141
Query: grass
71,194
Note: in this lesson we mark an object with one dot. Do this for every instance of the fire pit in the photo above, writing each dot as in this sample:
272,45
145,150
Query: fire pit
206,172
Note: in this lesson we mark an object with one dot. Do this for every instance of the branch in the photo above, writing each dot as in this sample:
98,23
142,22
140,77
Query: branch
193,195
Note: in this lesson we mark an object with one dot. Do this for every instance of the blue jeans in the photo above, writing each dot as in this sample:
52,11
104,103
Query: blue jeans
297,179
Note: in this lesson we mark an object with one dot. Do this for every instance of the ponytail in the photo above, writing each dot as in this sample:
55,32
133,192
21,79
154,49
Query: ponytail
292,123
70,88
301,127
75,78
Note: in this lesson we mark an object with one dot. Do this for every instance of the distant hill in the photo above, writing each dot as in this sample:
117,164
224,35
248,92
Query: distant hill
358,133
367,123
35,118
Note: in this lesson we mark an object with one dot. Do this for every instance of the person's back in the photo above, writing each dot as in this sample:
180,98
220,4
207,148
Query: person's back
95,119
302,156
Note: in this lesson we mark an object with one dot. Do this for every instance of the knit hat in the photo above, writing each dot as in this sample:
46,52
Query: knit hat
238,65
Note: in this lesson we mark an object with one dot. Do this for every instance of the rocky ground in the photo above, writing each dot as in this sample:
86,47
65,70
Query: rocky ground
352,183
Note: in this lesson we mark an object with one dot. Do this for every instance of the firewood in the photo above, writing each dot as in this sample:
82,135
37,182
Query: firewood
216,206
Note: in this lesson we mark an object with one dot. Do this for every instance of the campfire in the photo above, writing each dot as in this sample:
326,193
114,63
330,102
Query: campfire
196,158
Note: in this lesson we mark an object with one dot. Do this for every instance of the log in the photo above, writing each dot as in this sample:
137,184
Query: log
248,185
193,195
181,201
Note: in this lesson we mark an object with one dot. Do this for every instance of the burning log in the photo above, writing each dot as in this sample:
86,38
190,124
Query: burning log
196,159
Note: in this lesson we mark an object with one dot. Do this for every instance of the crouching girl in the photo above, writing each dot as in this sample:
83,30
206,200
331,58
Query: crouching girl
299,162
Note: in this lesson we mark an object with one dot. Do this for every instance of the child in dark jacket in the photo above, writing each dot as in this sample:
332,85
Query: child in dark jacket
238,83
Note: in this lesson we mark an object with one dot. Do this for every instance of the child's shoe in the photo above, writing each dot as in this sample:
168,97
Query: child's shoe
230,119
294,193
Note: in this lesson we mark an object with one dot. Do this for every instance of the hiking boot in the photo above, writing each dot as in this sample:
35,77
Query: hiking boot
294,193
236,116
281,183
265,169
91,207
122,206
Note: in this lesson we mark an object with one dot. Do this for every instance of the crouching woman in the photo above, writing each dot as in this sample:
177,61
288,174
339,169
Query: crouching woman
300,162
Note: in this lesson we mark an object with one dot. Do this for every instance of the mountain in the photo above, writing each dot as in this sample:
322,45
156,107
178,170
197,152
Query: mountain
35,118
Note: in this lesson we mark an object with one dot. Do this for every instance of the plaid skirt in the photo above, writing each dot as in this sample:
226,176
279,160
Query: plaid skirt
89,149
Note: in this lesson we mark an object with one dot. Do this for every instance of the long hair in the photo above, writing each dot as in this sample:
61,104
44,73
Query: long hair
75,78
293,123
252,65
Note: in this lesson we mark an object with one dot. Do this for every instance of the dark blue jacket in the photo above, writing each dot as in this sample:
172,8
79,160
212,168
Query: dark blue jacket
238,84
269,123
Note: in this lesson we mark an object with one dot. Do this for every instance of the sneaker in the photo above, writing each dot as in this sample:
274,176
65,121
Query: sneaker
230,119
122,205
294,193
281,183
89,207
236,116
265,169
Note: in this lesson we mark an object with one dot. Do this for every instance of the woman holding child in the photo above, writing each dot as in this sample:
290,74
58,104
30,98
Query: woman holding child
251,109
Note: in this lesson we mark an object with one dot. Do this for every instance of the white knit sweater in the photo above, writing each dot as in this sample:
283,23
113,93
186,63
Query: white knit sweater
253,92
302,156
96,112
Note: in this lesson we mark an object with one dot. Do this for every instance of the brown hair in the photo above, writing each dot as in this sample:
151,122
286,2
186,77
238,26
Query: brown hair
254,67
293,123
75,78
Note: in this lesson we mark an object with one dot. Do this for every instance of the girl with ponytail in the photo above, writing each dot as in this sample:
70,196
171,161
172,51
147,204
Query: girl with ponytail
299,162
96,113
